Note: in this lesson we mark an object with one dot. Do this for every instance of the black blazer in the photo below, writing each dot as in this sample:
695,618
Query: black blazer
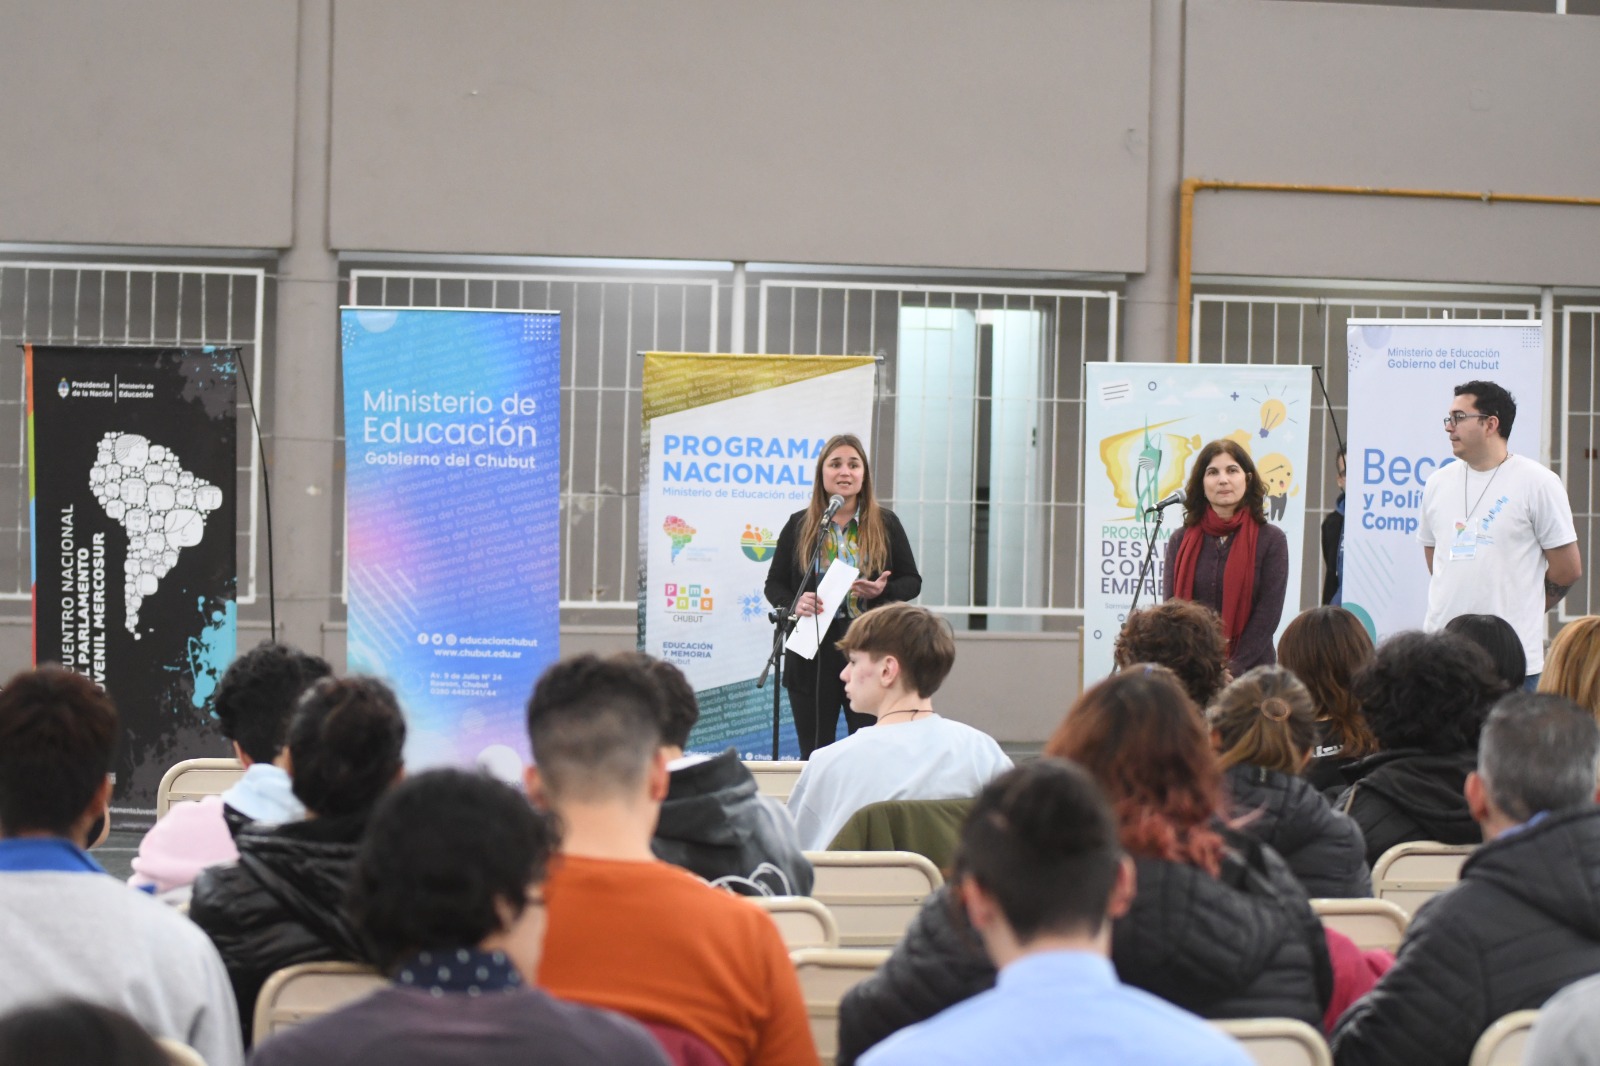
783,576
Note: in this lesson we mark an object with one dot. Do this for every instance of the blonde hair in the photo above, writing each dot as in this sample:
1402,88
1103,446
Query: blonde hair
1572,669
1265,718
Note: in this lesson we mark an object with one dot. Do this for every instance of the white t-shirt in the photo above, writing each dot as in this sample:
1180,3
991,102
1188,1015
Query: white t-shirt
929,758
1489,531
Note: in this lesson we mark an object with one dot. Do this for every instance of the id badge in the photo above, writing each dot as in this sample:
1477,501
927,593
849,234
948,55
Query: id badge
1465,545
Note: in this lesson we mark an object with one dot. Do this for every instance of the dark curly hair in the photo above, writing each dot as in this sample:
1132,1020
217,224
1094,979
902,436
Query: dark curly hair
1142,738
58,732
1427,690
442,849
258,693
1183,636
346,741
1194,492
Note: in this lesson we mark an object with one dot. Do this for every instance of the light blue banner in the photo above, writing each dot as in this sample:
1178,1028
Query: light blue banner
452,482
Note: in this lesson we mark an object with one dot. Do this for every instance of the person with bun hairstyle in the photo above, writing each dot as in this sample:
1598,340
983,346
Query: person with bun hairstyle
1572,668
282,902
862,534
1227,556
1218,925
1264,726
1325,648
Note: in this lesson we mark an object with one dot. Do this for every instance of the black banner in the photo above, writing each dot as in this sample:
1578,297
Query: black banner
132,473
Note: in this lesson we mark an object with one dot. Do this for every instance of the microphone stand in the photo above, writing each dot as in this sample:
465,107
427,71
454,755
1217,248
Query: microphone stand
1148,562
783,623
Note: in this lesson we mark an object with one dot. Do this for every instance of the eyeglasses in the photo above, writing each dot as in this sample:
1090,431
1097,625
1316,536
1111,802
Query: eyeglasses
1455,418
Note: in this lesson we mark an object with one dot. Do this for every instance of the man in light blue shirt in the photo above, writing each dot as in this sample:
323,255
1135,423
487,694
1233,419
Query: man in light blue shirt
1042,874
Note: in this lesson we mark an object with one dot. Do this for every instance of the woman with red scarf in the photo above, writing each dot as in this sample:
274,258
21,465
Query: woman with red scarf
1227,556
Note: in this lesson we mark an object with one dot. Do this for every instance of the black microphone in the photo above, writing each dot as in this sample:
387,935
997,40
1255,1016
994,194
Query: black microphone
1175,496
834,503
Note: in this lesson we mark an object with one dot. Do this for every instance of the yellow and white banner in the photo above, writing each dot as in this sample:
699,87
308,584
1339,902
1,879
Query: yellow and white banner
730,446
1146,422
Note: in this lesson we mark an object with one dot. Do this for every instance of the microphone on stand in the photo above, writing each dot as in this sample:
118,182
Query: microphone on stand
1173,497
836,501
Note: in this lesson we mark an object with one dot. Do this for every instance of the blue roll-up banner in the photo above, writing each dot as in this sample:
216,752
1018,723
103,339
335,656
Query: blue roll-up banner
453,447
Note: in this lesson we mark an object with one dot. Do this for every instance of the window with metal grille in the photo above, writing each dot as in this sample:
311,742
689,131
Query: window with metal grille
996,523
144,305
1289,327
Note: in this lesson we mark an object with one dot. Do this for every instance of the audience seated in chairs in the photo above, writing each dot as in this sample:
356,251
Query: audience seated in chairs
71,1032
1218,924
1183,636
1326,647
1041,876
1425,696
1569,669
714,821
627,931
282,901
253,703
1264,726
898,656
446,895
1497,637
1524,922
66,927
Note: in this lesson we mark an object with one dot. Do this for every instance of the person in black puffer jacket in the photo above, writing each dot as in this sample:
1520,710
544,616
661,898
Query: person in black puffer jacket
1524,921
1218,925
1425,696
1265,726
282,902
714,822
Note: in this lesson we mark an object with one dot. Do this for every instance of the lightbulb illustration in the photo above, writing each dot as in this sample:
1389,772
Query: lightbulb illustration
1272,415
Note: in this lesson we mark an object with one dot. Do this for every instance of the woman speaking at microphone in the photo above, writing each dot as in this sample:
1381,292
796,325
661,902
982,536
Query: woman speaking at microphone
1227,557
860,534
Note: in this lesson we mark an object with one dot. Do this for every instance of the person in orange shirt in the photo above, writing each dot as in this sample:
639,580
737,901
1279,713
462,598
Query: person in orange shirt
627,931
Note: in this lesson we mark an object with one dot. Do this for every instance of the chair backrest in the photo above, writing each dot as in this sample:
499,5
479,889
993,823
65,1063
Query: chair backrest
803,921
826,974
1369,923
872,895
178,1053
195,779
1506,1041
308,990
1409,875
775,779
1279,1041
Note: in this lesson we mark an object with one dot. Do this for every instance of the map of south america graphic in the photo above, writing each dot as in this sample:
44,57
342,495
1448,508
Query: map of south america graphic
162,508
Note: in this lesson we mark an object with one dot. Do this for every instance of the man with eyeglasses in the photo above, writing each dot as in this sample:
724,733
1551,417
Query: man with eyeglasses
1496,528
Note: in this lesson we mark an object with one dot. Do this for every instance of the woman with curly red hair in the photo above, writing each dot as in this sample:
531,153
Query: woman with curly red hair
1218,924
